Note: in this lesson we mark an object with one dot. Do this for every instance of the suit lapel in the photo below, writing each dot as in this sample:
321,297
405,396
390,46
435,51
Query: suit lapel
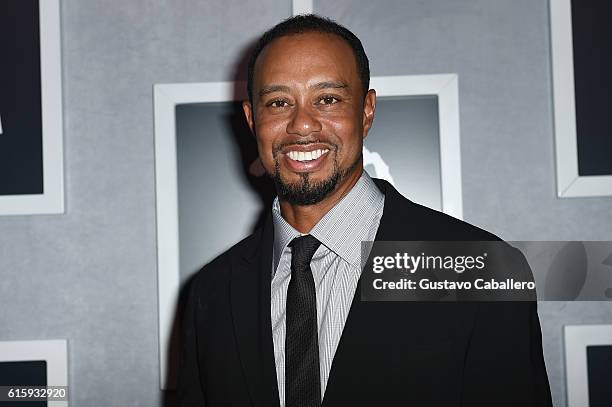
250,302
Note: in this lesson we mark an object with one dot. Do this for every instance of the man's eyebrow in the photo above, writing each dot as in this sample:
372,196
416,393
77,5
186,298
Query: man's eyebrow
330,84
318,86
272,88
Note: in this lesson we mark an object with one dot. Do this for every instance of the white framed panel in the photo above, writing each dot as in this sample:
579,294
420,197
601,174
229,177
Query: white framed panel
577,339
569,182
446,88
54,352
166,99
51,201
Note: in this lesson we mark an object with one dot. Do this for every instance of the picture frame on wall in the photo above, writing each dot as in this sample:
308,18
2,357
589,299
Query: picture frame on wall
581,62
588,365
36,363
208,176
31,145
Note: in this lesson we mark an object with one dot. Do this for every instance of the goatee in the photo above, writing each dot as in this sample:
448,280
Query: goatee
307,191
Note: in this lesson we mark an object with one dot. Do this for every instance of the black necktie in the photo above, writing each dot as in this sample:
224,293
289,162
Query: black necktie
302,381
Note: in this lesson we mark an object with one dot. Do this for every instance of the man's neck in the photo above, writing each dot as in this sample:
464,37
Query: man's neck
304,217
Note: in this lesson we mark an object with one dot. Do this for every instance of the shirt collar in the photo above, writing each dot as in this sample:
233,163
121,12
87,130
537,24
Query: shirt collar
343,228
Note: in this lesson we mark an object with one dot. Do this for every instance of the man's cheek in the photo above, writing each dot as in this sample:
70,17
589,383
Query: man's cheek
269,163
265,156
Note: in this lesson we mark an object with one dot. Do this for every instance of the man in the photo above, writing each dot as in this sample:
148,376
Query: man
277,319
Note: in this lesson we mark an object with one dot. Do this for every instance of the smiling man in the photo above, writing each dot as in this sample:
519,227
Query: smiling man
310,109
277,319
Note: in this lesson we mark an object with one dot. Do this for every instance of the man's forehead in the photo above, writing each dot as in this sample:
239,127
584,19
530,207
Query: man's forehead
306,52
293,43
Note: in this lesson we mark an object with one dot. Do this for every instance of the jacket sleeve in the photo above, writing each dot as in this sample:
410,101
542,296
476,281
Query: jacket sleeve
189,390
504,361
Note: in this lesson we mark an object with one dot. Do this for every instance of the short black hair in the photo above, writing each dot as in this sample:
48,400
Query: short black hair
306,23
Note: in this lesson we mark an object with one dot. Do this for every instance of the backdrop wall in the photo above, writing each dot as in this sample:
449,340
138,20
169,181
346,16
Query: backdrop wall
90,275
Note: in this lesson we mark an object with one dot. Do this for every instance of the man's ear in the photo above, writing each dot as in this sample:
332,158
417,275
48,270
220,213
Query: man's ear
247,107
369,110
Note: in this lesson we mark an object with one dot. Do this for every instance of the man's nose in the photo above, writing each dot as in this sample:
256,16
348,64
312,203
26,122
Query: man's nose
303,122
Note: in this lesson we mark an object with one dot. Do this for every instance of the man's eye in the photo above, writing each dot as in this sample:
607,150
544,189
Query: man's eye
278,103
328,100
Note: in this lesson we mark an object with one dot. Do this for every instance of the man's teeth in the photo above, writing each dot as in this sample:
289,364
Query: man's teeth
306,155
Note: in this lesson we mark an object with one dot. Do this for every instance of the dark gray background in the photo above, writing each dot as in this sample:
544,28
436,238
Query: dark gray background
215,192
599,368
90,275
591,33
406,135
21,158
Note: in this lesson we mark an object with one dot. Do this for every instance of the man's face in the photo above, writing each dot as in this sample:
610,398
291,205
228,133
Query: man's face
309,115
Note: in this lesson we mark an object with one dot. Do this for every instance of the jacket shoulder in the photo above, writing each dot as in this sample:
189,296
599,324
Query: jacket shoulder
451,226
431,224
405,218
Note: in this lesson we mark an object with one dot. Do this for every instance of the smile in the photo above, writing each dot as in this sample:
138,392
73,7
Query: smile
300,161
304,156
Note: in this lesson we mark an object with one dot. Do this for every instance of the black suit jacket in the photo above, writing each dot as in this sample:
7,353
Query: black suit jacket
390,353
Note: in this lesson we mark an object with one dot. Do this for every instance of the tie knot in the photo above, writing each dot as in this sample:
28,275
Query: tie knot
302,250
